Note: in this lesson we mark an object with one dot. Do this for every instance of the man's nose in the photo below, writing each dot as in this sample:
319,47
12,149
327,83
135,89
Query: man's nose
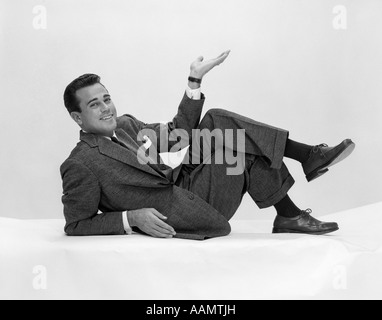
104,107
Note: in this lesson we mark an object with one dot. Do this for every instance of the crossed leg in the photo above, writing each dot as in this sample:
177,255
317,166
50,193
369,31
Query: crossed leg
264,176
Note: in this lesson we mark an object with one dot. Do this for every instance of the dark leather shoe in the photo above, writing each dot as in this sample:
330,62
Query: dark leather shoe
323,157
304,223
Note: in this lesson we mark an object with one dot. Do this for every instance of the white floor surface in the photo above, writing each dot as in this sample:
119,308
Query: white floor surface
37,261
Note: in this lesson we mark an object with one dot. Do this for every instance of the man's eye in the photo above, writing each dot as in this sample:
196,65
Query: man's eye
94,105
108,100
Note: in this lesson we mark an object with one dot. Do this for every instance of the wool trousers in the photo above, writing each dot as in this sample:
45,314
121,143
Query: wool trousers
264,175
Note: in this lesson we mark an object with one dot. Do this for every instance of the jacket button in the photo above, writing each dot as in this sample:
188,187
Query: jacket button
192,197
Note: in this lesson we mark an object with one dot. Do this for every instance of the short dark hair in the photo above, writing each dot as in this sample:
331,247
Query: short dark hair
70,96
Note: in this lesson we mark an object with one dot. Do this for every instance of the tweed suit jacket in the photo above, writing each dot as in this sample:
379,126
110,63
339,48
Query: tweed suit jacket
101,179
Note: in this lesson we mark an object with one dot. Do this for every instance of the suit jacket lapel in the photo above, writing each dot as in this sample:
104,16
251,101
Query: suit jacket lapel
127,140
119,153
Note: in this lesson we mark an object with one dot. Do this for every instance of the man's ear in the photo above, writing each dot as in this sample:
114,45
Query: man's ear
76,116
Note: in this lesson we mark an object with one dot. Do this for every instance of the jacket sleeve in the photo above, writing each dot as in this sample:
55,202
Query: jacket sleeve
189,114
187,119
81,197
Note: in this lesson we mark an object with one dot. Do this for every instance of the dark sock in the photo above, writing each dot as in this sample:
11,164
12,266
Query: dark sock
297,151
287,209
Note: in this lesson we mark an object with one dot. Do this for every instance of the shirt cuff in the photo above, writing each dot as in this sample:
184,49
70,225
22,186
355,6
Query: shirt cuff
195,94
126,224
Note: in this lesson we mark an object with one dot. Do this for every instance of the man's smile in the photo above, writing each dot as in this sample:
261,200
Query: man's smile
108,117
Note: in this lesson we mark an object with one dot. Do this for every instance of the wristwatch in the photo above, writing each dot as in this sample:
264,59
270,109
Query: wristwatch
192,79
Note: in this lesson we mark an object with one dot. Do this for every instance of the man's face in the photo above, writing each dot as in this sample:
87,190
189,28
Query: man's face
99,115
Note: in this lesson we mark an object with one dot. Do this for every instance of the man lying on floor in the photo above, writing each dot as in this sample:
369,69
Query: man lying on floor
115,168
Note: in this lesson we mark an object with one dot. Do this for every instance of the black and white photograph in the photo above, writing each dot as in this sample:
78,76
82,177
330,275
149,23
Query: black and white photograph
191,154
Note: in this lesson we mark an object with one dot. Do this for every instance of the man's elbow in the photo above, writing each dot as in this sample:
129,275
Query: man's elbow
71,230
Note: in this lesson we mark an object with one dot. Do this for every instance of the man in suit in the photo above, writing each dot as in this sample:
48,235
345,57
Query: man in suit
111,186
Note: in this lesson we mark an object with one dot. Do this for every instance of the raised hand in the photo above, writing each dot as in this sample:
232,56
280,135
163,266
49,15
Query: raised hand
200,68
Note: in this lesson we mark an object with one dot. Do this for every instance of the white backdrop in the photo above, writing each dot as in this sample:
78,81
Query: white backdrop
289,67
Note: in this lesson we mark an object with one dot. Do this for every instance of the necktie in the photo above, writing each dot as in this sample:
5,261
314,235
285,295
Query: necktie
114,139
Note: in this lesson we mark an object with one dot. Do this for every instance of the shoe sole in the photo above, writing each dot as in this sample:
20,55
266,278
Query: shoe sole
340,157
318,233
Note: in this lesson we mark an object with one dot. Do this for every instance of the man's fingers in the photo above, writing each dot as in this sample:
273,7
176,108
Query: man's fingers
158,234
219,60
158,214
223,57
155,231
163,232
225,54
166,227
162,224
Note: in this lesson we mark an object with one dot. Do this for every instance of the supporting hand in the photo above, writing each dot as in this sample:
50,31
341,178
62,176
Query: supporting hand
200,68
150,221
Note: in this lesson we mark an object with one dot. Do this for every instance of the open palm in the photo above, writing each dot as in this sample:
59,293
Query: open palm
200,68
